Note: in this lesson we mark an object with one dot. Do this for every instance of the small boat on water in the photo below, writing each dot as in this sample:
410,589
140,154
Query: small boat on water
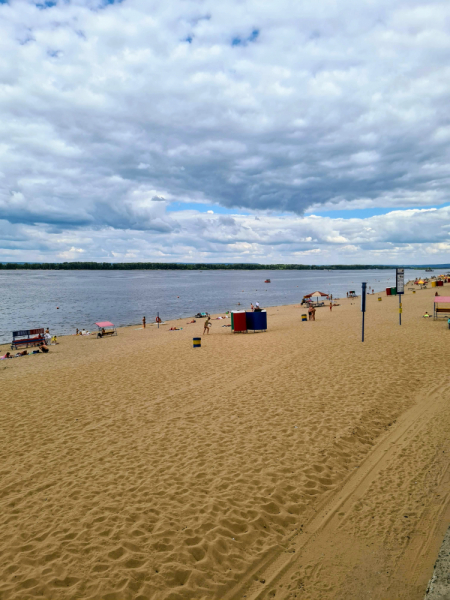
428,270
267,281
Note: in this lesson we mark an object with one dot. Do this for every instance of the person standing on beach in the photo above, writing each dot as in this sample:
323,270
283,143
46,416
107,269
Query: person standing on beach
143,322
207,325
313,313
331,306
252,308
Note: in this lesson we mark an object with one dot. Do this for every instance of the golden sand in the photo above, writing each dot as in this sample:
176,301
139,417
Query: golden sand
297,463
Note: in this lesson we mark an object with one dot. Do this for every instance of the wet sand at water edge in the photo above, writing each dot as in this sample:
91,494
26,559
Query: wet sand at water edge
297,463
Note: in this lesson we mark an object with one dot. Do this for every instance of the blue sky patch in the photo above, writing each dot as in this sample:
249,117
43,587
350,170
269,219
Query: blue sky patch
363,213
203,208
237,41
44,5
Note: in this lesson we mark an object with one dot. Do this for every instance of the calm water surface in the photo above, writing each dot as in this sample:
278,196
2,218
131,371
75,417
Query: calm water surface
29,299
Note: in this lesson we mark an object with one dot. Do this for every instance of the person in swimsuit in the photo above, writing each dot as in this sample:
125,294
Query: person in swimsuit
207,325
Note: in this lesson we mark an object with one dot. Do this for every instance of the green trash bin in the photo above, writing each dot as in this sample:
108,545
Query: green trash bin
393,291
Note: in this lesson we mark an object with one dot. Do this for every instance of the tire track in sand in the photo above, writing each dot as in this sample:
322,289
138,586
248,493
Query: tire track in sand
275,569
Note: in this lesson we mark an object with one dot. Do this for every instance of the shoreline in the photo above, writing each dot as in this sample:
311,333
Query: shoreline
213,315
81,311
170,322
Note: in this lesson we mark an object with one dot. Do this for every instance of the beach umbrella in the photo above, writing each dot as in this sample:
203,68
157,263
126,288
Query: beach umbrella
421,282
317,295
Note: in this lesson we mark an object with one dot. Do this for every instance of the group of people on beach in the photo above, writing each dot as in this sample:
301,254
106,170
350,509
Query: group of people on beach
40,348
41,343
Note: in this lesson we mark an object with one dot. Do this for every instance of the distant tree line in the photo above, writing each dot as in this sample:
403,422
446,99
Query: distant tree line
104,266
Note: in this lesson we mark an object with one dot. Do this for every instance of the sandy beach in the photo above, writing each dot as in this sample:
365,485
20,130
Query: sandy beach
296,463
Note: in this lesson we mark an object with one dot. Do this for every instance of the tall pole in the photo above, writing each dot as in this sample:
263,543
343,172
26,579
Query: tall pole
363,306
400,286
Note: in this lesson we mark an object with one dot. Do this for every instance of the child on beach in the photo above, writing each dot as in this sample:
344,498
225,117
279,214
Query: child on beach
207,325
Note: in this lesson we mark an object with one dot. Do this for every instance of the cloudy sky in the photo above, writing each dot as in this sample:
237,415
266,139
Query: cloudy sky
197,130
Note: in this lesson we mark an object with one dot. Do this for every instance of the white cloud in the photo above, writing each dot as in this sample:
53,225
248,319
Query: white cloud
410,237
71,253
112,112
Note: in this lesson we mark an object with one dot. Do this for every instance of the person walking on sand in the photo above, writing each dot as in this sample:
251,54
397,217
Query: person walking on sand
207,325
313,313
331,306
143,322
252,308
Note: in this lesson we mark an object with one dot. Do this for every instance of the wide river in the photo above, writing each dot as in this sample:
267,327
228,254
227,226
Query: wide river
64,300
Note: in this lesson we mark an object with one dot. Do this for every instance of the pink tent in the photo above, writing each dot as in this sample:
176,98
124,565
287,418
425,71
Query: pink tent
101,329
105,324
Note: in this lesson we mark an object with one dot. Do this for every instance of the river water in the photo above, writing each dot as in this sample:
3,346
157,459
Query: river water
64,300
